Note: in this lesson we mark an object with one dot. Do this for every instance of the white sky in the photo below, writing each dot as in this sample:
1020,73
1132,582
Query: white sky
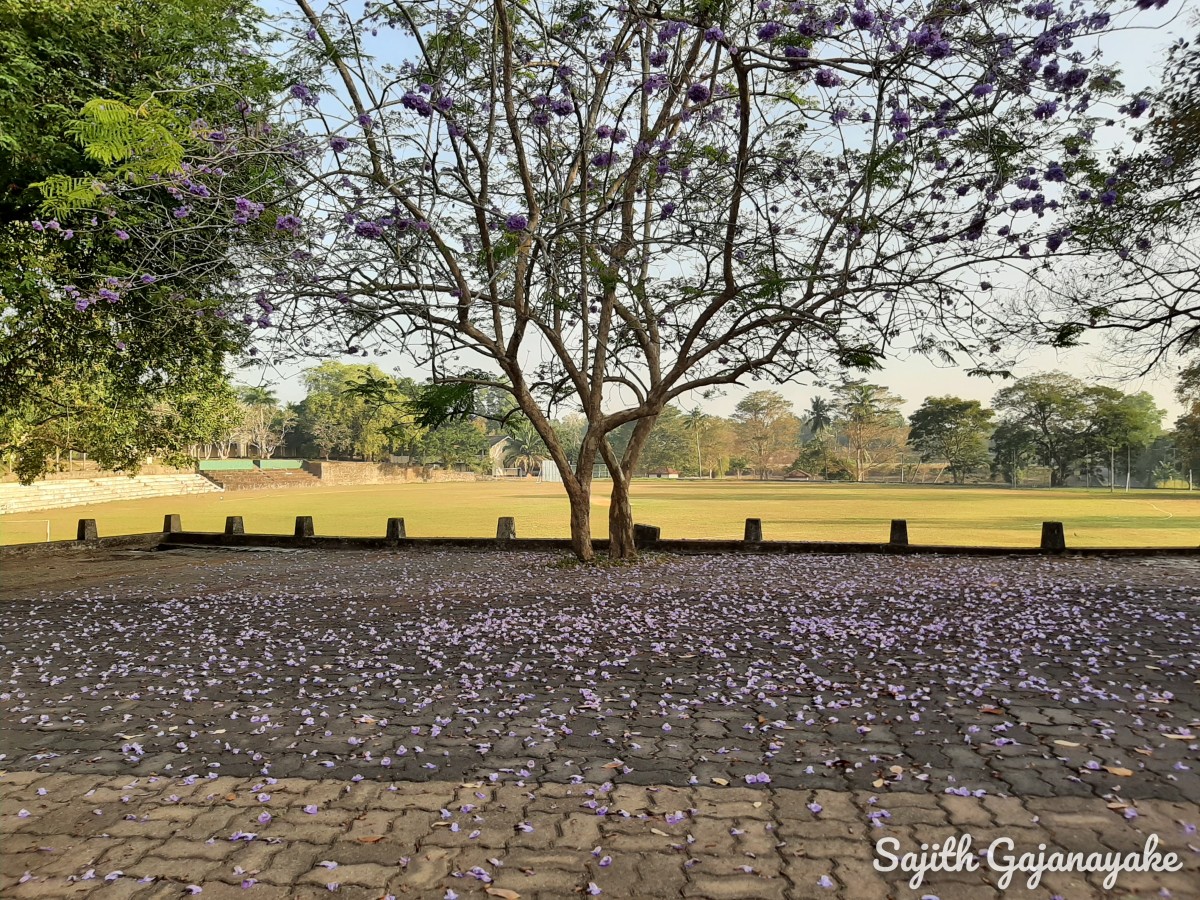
1139,53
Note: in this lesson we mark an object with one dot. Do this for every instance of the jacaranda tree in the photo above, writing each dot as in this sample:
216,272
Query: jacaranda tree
608,206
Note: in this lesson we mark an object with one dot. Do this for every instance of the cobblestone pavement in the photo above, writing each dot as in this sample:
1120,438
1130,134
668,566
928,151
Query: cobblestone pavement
487,724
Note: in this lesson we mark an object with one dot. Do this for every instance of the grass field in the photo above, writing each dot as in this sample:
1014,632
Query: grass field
838,512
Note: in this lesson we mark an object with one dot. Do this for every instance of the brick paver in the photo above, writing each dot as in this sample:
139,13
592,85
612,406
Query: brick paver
269,725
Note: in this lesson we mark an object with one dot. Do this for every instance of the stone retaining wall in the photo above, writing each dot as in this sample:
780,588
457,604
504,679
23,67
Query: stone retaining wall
332,472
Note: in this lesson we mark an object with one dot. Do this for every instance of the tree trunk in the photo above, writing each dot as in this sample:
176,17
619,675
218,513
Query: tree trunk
620,522
581,522
620,512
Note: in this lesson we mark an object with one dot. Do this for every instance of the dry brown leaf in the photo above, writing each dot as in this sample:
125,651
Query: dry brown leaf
1066,743
1180,737
231,797
757,804
1143,752
659,832
1118,770
613,765
373,839
896,770
721,781
991,710
878,782
503,893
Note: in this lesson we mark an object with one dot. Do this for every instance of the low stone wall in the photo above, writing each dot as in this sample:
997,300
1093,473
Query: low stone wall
84,472
335,472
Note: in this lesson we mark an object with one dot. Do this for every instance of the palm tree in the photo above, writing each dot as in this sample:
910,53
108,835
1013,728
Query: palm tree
820,415
257,396
695,419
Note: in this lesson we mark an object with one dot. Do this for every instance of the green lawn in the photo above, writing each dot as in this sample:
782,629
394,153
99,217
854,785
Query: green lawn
840,512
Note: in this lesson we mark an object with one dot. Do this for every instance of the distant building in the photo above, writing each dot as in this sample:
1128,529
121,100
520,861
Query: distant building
665,473
800,475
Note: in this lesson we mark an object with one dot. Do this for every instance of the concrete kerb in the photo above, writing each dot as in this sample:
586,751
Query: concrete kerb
647,537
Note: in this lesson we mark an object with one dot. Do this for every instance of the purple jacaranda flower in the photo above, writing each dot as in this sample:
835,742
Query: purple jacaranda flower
24,814
825,882
698,93
311,809
827,78
713,34
593,889
288,222
1045,110
563,106
1134,108
604,159
815,808
516,222
264,817
368,230
674,818
122,235
605,862
1108,198
770,31
862,18
339,144
417,103
982,89
304,94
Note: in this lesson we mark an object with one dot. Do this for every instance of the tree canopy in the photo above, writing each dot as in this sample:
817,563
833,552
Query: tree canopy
614,206
87,325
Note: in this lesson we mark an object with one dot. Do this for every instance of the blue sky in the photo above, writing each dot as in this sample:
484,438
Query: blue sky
1139,52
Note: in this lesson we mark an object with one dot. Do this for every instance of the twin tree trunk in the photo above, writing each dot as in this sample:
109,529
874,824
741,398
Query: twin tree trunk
620,513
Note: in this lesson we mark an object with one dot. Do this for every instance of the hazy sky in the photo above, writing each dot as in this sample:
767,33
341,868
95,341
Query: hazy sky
1139,53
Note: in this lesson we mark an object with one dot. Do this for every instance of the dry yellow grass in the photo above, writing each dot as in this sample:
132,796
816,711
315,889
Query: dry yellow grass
700,509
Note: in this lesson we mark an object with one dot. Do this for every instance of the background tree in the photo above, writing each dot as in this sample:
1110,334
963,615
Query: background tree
765,426
824,456
136,341
1014,448
670,444
823,182
869,426
1052,407
1120,422
819,415
1187,426
953,430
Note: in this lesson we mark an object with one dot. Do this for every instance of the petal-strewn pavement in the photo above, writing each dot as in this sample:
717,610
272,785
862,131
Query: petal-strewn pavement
429,724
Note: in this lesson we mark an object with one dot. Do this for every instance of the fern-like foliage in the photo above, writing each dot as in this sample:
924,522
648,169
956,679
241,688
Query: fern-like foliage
133,142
